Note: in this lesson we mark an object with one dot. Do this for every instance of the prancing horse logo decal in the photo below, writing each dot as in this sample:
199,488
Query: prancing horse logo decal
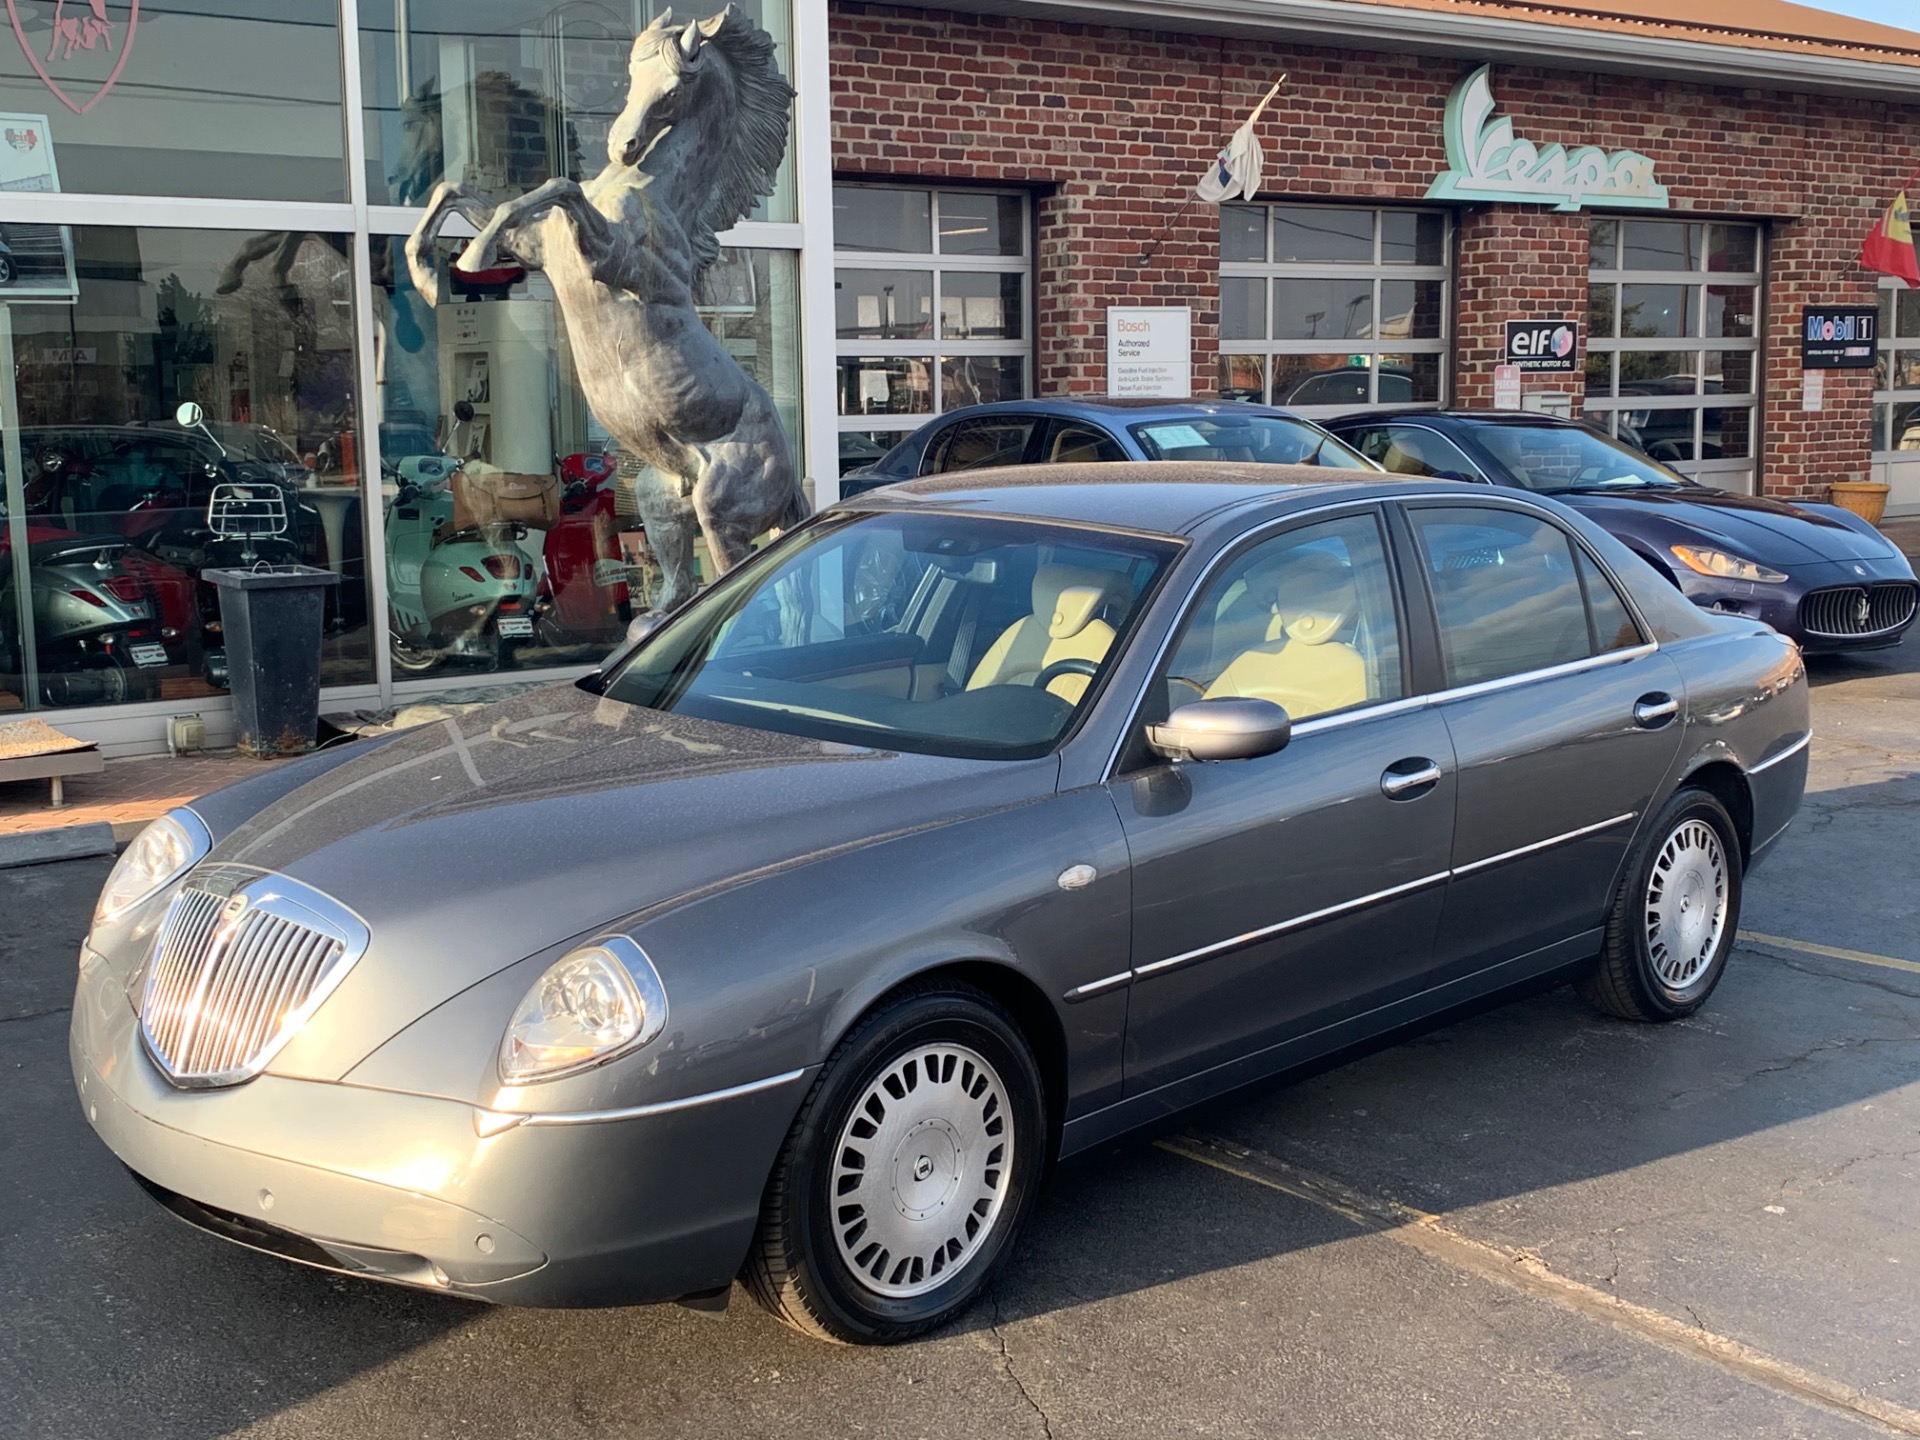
81,30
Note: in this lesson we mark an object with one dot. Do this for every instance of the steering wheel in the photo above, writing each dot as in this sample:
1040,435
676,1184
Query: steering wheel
1072,665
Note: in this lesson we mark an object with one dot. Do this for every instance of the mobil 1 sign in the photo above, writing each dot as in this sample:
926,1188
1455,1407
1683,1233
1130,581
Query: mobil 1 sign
1537,345
1839,337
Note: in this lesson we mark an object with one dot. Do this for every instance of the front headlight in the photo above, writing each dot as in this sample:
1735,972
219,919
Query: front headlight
1723,566
592,1004
159,855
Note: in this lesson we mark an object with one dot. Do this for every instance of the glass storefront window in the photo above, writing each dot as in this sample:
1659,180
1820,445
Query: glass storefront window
199,97
512,521
499,97
124,506
1350,310
1896,372
1674,317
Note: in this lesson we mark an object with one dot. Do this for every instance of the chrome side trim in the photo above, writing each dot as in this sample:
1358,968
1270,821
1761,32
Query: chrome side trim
1786,754
661,1107
1507,855
1094,987
1527,677
1312,917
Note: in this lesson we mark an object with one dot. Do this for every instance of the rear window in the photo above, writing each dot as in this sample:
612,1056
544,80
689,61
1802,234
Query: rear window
1262,439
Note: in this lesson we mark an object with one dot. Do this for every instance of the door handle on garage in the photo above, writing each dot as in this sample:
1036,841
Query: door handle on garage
1652,711
1408,779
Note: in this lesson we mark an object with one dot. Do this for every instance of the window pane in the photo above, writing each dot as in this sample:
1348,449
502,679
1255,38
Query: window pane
1243,308
1305,620
1657,310
1602,306
1412,309
1730,372
1320,380
1409,379
1906,427
1613,626
1333,309
1726,433
866,447
1243,232
1506,591
1906,317
1416,450
1243,377
974,224
1603,241
1664,435
1081,445
1733,247
1599,372
1877,436
972,444
885,385
1730,311
981,306
498,96
1412,238
1309,232
1906,369
1658,372
981,379
273,472
883,304
239,101
1661,245
865,218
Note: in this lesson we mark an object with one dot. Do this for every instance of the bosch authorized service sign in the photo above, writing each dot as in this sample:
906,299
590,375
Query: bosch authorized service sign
1542,344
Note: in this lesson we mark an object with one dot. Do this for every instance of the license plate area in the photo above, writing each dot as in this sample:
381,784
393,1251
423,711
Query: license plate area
516,627
148,654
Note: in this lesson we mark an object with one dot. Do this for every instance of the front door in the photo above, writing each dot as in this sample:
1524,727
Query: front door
1565,720
1275,897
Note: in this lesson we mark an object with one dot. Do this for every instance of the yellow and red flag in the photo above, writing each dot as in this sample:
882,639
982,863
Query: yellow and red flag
1888,247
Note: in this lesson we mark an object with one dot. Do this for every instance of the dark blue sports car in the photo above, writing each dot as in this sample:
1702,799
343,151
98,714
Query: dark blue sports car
1067,431
1816,573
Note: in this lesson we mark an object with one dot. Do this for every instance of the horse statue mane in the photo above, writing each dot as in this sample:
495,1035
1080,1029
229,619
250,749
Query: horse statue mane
747,167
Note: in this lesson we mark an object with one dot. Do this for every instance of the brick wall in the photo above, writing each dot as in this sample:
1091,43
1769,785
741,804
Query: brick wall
1109,128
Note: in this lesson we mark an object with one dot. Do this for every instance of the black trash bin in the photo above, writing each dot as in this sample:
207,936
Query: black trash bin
271,617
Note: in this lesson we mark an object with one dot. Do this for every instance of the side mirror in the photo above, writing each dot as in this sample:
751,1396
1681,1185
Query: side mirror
189,414
1223,729
643,625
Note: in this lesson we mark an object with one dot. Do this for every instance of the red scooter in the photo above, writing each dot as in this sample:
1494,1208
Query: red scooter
583,595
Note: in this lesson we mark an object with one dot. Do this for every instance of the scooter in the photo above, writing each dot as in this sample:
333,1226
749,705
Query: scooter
453,595
583,593
96,642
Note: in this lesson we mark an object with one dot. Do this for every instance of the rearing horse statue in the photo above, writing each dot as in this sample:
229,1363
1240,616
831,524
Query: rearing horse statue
701,137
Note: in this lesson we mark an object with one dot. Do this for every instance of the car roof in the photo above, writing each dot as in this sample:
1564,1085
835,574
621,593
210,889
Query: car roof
1531,419
1168,497
1119,407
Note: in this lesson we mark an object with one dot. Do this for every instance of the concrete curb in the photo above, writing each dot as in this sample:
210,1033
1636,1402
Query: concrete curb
43,847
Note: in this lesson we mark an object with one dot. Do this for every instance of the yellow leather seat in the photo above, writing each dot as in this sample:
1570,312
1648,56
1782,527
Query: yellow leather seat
1300,666
1064,625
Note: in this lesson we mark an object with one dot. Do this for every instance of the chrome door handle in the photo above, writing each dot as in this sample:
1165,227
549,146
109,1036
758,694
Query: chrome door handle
1652,711
1396,783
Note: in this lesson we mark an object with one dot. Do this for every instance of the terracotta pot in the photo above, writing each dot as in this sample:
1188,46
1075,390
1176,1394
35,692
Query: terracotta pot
1863,497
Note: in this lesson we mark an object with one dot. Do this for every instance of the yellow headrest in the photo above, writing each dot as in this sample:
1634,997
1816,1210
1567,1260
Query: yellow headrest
1075,606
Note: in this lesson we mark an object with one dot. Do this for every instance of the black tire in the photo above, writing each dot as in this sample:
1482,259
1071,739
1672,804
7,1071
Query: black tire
1656,970
798,1268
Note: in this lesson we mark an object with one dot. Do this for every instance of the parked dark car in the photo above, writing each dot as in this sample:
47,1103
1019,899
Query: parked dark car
1070,431
1817,573
835,914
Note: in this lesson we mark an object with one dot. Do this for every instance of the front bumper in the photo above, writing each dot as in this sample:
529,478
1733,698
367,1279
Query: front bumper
404,1188
1781,605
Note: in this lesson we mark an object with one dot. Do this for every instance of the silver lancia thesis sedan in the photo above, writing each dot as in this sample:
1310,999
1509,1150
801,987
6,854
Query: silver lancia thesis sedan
966,827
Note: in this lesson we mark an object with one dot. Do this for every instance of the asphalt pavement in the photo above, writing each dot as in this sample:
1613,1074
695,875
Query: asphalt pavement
1531,1222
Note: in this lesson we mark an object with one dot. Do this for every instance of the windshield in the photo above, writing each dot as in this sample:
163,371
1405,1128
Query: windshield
1557,458
1265,439
951,635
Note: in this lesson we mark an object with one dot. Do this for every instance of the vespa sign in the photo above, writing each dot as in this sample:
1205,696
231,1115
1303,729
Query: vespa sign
1487,161
84,44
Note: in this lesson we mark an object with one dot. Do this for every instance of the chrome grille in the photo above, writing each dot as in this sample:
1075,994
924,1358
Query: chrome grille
1857,609
241,961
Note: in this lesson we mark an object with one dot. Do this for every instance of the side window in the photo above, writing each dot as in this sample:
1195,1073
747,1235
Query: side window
1613,623
973,444
1370,442
1072,444
1416,450
1506,591
1305,620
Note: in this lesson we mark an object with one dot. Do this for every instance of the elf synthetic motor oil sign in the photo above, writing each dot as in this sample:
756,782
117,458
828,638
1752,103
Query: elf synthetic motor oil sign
1536,345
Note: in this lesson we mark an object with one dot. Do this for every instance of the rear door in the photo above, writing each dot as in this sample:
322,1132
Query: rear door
1565,721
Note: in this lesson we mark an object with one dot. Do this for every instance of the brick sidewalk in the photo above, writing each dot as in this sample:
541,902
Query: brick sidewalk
126,795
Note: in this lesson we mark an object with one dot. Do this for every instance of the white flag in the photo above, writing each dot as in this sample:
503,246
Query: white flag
1236,169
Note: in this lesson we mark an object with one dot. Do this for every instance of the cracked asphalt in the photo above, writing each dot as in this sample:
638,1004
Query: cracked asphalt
1532,1222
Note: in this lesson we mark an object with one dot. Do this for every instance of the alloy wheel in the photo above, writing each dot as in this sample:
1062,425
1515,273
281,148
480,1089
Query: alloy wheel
921,1170
1686,905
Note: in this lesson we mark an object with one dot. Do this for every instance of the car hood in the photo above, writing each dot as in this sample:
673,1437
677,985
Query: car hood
1770,531
472,843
